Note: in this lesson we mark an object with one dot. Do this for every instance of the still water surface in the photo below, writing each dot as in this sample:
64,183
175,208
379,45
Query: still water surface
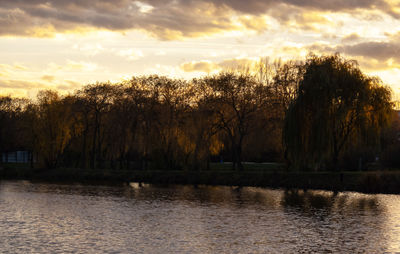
54,218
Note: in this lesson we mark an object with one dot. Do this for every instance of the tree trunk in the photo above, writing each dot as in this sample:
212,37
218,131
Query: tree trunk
239,158
233,155
335,158
83,152
93,152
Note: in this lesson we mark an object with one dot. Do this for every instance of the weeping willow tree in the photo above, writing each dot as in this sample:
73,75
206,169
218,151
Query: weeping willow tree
336,106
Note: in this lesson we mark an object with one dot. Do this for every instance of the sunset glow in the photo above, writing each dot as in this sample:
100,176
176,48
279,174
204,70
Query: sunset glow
63,45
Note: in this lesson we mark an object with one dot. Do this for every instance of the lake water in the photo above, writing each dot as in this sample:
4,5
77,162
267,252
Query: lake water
61,218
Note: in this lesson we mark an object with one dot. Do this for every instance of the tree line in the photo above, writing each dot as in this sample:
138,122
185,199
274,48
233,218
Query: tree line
309,114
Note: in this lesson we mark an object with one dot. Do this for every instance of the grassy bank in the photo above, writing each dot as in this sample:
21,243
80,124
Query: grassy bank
272,176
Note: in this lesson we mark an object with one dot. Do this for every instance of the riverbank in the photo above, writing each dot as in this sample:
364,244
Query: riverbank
368,182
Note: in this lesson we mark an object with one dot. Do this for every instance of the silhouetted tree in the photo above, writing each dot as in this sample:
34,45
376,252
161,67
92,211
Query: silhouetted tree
324,108
236,100
336,104
52,127
98,98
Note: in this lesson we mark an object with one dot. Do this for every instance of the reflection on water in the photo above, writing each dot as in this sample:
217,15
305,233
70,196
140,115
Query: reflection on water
50,218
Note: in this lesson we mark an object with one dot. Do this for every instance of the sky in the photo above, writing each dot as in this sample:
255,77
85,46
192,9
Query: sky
65,44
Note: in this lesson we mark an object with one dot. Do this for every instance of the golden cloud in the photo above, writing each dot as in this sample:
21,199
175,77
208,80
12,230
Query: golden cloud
20,84
8,69
372,55
48,78
200,66
227,65
68,85
24,88
171,19
351,37
255,23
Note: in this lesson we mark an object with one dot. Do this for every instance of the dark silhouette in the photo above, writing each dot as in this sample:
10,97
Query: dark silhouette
160,123
336,106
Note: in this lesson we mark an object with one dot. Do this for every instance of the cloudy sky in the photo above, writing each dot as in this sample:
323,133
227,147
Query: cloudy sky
64,44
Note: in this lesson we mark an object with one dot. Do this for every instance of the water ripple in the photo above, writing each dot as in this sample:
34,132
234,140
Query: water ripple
54,218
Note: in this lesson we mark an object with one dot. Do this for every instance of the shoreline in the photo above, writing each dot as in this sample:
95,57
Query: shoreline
370,182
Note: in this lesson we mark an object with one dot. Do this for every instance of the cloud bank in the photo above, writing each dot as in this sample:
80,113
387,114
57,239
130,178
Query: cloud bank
167,19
